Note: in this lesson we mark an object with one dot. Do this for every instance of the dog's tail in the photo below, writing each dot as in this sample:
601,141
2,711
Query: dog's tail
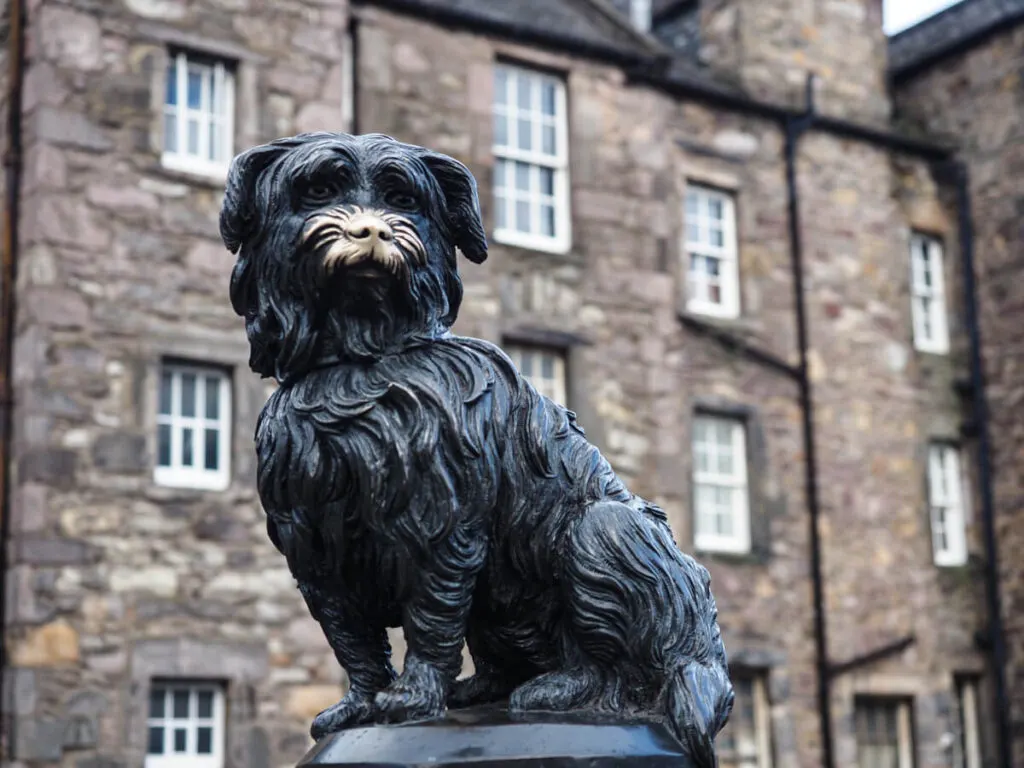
696,701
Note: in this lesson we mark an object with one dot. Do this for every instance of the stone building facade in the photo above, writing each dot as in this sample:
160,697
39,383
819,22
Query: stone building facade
960,75
635,187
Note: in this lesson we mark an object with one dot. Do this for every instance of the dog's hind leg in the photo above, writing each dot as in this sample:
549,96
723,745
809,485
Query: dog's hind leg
362,650
434,620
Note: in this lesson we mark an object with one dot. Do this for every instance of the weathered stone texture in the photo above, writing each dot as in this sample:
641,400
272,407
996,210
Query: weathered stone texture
978,97
121,264
770,48
639,376
116,580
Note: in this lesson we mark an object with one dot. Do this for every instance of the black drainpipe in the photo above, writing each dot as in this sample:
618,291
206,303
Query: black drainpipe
795,128
997,637
8,277
353,76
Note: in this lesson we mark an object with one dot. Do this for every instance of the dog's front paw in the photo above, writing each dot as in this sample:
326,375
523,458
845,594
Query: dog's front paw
419,693
354,709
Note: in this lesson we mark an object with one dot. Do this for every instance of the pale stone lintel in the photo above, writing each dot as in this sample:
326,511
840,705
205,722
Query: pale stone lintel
171,35
187,658
700,171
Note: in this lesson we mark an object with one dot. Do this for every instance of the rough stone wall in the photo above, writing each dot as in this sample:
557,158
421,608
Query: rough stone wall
638,377
978,98
114,580
770,46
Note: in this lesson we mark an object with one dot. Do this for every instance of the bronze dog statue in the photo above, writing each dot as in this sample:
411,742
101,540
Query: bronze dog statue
413,478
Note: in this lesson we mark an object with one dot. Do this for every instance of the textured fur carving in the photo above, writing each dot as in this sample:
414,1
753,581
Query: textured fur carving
413,478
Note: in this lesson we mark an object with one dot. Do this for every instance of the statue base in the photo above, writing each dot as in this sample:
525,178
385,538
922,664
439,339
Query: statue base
492,737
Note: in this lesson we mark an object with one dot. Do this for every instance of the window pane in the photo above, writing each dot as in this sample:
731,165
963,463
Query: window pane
155,744
525,134
163,447
692,229
725,465
171,132
171,95
500,217
500,130
180,705
547,220
547,181
180,740
195,88
501,174
523,97
156,703
523,216
204,745
692,204
548,140
715,209
717,238
188,394
186,453
212,398
523,177
205,704
526,364
547,366
500,86
165,392
547,98
210,452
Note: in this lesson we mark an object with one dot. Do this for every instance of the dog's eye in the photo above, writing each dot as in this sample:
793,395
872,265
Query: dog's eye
397,199
319,193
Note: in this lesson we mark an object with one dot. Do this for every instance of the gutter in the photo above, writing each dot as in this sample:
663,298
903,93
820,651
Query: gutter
996,630
796,127
12,160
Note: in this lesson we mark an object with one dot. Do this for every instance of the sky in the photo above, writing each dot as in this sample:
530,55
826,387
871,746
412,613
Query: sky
900,14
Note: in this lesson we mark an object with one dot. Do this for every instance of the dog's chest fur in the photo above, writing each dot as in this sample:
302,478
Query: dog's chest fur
371,465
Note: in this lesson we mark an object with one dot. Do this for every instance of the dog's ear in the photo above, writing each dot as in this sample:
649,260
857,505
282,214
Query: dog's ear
463,202
238,213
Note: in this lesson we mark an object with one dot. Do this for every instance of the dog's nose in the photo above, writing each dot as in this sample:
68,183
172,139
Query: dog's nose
368,229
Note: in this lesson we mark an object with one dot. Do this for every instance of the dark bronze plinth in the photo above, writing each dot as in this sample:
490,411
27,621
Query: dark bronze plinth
493,738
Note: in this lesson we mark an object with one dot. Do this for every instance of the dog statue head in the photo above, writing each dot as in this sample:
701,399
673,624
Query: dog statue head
346,247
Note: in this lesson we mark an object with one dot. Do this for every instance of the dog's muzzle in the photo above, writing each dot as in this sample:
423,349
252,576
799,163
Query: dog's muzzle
351,235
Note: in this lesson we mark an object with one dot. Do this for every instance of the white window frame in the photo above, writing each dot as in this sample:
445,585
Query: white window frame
190,758
640,14
928,300
904,730
223,81
753,750
554,388
737,482
968,746
946,505
727,254
536,160
197,476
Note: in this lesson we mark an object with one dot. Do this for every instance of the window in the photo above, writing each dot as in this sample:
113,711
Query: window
185,726
721,505
928,294
945,497
193,428
712,273
968,746
884,734
531,184
640,14
199,115
543,368
745,742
